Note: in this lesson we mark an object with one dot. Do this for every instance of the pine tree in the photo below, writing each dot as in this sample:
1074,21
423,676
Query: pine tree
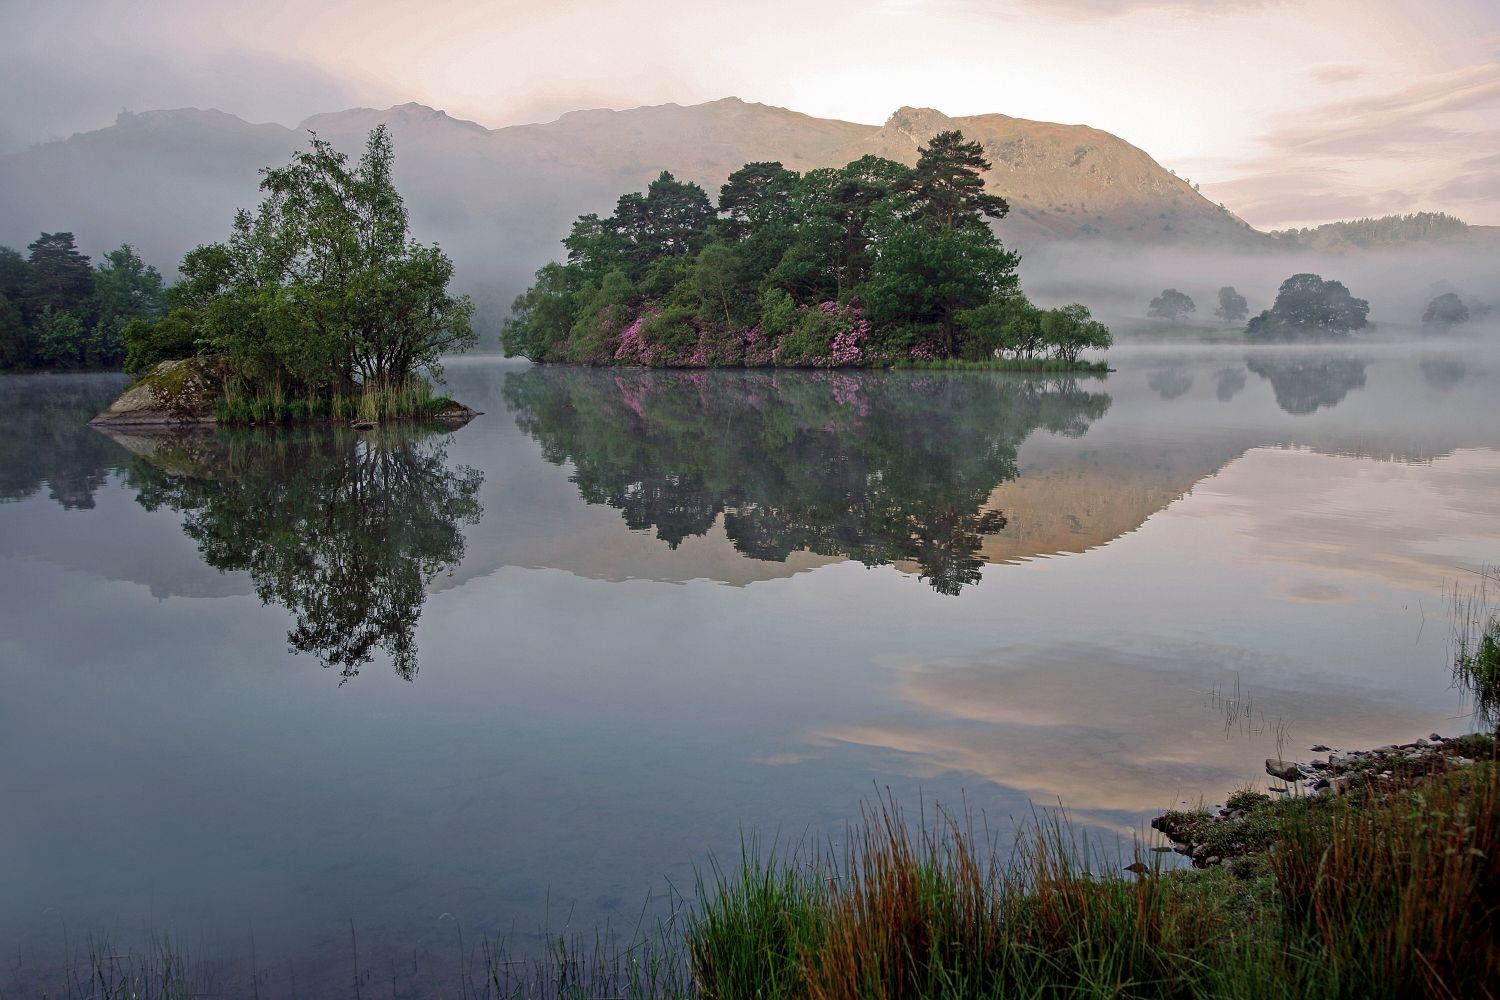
949,188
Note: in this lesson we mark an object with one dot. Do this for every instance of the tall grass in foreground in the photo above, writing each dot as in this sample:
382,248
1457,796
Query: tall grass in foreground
1398,897
372,401
932,912
1374,897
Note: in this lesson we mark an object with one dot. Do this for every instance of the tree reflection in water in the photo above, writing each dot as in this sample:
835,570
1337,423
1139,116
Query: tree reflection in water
1305,383
345,530
876,467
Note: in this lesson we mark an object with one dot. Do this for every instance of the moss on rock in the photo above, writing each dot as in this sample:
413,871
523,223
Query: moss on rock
173,392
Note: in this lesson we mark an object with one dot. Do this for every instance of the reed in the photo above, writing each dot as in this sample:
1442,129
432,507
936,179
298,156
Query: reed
1392,894
375,402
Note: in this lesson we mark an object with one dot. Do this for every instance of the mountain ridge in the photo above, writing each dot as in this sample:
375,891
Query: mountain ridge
500,200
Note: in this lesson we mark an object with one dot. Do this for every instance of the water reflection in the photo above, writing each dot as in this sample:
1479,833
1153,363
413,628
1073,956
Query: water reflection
1443,373
874,467
345,530
1169,383
1230,382
1304,383
46,443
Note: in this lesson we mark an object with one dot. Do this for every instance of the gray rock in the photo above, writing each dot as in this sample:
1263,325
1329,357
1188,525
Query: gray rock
171,394
1284,770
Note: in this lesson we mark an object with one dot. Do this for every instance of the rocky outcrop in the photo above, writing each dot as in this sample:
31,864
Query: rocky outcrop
171,394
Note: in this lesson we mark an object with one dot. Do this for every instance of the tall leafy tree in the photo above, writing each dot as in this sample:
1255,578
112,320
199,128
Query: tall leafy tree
1308,306
60,278
324,284
670,219
949,186
126,288
1171,305
1232,305
928,278
754,195
1446,310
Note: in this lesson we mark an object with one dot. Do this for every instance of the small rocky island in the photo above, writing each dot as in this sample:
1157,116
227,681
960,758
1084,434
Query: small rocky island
189,392
318,307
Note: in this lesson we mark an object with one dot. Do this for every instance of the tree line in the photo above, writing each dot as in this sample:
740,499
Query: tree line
1308,306
874,263
59,310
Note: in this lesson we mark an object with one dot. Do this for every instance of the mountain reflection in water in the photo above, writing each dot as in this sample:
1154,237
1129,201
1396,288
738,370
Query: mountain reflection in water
879,470
345,530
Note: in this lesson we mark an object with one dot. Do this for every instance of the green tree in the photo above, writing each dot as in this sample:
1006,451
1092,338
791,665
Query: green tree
1004,324
60,339
324,286
17,347
15,275
715,280
929,278
126,290
948,184
1070,330
755,195
1171,305
148,342
1446,310
1232,305
670,220
1306,305
595,247
126,287
59,278
542,316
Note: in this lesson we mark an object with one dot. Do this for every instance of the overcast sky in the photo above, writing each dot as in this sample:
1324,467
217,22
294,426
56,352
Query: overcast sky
1292,113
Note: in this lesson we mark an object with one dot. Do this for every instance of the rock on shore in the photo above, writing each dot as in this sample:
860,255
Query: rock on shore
171,394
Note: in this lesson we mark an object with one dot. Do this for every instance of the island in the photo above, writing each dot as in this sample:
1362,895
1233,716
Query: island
319,306
874,264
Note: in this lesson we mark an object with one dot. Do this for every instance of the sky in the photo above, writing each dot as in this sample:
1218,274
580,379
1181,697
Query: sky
1290,112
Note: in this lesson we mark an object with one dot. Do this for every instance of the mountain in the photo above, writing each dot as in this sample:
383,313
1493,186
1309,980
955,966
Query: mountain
499,200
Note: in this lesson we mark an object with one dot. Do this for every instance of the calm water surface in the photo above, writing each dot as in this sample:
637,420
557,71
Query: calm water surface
526,673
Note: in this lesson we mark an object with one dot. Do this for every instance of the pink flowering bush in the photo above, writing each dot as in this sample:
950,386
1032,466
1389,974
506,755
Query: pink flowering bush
759,349
827,335
632,349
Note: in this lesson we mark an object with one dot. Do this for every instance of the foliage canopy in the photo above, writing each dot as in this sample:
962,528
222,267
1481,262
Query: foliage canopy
1308,307
321,288
60,311
874,263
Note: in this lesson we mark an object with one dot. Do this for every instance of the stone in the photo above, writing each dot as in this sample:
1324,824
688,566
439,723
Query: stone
1284,770
178,392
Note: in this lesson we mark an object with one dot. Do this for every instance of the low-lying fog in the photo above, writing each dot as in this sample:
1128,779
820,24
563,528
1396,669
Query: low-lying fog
1118,283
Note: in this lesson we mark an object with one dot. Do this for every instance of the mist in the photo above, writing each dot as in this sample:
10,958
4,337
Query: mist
500,201
1118,282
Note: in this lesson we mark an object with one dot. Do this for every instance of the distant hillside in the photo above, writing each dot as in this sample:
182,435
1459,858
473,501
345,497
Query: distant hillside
500,200
1387,231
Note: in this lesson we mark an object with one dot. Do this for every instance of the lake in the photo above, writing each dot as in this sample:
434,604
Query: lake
292,697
